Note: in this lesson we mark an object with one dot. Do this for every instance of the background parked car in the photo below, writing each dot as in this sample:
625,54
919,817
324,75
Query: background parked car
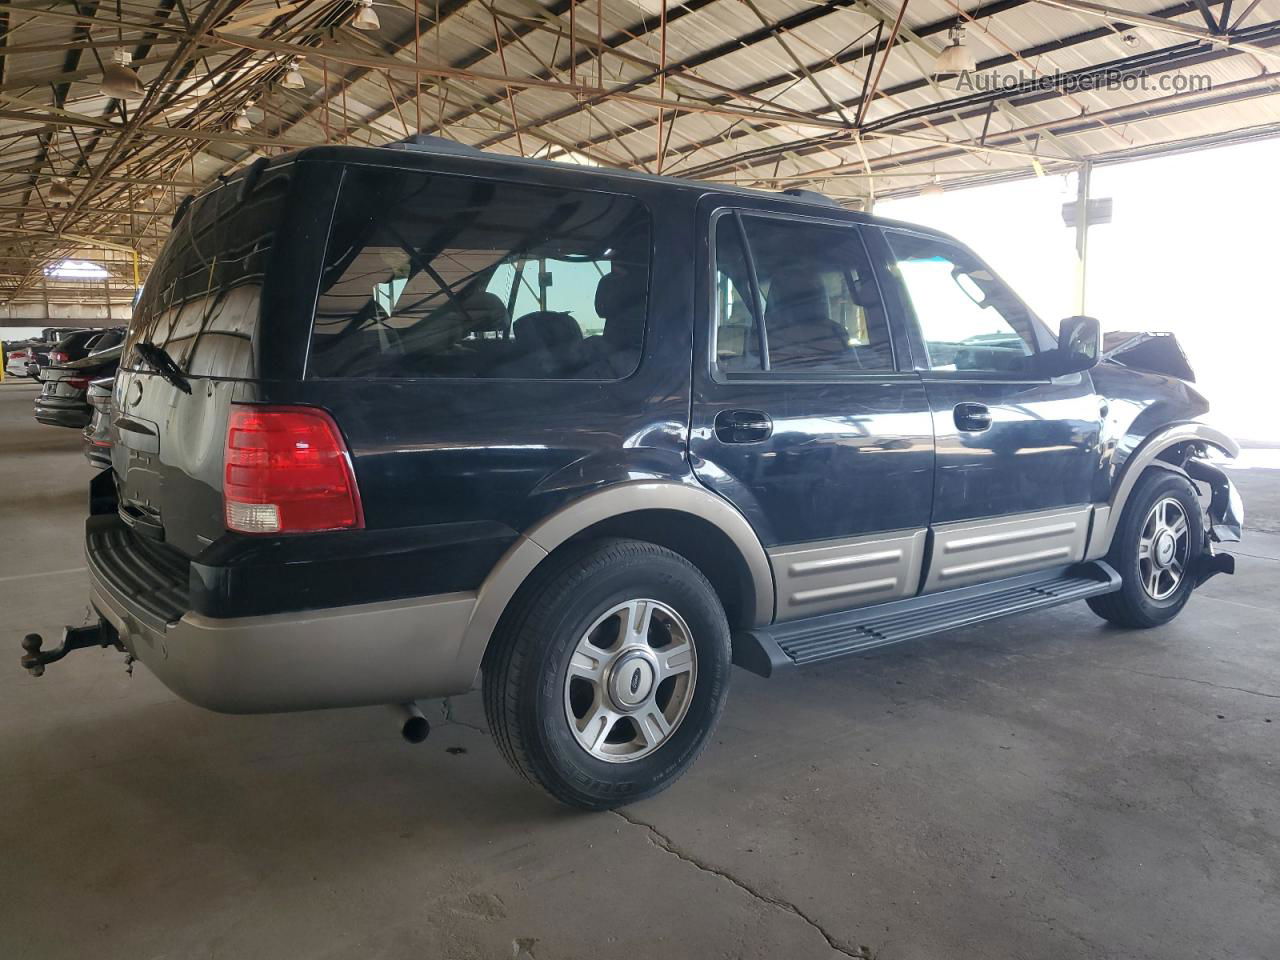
18,358
62,401
81,344
97,435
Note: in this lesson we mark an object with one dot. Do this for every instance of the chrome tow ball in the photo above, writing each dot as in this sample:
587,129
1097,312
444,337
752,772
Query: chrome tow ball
34,660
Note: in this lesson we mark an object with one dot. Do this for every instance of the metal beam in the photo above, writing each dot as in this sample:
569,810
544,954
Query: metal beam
1158,23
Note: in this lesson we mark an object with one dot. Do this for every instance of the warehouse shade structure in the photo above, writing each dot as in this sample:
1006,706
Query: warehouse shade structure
861,99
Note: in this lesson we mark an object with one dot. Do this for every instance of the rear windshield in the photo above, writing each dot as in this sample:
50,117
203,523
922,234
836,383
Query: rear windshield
431,275
106,341
76,340
200,301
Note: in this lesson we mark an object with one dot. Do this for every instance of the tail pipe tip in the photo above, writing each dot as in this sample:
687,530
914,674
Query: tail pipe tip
413,723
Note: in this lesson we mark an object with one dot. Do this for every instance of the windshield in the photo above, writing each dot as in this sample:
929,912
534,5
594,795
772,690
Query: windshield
201,299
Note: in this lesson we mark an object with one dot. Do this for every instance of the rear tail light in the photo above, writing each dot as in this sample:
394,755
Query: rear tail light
78,383
287,470
57,356
17,353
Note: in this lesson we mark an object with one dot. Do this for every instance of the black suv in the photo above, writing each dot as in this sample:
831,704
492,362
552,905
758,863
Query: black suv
392,423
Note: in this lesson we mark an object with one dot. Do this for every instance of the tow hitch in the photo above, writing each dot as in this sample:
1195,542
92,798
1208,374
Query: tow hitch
100,634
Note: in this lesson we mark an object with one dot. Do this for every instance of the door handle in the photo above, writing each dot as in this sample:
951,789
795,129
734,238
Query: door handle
972,417
743,426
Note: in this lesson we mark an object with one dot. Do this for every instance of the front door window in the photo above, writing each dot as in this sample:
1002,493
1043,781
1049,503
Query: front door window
968,318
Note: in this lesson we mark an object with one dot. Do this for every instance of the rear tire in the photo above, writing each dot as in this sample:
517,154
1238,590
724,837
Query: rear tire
608,673
1155,551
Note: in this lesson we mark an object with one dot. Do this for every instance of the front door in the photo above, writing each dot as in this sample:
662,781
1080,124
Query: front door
803,416
1016,451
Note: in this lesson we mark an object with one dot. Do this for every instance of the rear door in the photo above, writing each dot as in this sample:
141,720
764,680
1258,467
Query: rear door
806,413
1016,450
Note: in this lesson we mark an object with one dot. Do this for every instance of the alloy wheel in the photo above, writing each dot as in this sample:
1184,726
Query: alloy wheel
630,680
1163,547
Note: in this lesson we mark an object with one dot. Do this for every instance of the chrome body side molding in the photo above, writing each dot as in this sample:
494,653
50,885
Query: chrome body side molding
828,575
971,551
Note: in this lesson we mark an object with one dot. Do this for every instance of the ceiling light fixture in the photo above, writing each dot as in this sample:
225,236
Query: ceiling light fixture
932,189
60,193
293,76
365,18
119,80
242,123
955,58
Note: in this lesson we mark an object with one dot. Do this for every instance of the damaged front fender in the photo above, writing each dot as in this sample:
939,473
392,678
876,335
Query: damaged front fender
1226,509
1226,518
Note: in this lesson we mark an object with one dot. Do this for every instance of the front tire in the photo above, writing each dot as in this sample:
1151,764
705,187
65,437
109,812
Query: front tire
1155,551
607,675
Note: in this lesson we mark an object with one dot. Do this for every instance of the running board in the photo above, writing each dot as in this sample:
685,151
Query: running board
763,650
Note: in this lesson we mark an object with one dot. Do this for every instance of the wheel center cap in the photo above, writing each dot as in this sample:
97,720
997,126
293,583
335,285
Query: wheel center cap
631,680
1164,549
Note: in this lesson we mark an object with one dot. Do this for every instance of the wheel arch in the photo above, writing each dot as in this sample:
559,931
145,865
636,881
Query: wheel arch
1154,451
685,518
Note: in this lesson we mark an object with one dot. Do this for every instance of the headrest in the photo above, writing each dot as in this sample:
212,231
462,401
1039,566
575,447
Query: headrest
485,311
796,296
617,291
546,329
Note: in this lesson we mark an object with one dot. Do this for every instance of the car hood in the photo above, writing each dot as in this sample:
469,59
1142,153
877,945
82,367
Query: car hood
1149,352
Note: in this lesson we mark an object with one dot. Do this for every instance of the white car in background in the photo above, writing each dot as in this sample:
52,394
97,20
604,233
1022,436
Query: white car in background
19,361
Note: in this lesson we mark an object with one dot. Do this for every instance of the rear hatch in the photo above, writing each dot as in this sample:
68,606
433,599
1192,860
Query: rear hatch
61,383
202,306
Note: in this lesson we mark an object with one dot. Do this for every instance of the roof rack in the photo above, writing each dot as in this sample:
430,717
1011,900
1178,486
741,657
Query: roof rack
813,196
427,141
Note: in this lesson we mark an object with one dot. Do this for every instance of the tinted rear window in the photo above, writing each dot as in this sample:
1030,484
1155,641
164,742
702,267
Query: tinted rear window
200,301
75,341
431,275
106,341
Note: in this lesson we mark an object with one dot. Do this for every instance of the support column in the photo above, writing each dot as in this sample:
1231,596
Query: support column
1082,233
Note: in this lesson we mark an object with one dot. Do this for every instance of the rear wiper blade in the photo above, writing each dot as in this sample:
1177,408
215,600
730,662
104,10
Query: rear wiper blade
163,364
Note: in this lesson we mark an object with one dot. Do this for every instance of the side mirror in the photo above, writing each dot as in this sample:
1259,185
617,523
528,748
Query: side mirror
1079,347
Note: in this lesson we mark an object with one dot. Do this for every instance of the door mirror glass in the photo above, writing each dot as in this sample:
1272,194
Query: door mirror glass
1079,347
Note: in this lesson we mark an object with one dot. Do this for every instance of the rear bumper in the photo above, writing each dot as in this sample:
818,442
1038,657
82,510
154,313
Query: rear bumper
389,652
63,413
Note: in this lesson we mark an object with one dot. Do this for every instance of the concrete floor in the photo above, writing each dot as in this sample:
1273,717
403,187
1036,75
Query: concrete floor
1043,788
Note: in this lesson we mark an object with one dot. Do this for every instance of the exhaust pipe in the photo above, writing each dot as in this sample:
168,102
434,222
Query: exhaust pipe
414,726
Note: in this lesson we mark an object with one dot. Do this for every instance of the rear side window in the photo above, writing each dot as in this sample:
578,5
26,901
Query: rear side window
431,275
799,295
